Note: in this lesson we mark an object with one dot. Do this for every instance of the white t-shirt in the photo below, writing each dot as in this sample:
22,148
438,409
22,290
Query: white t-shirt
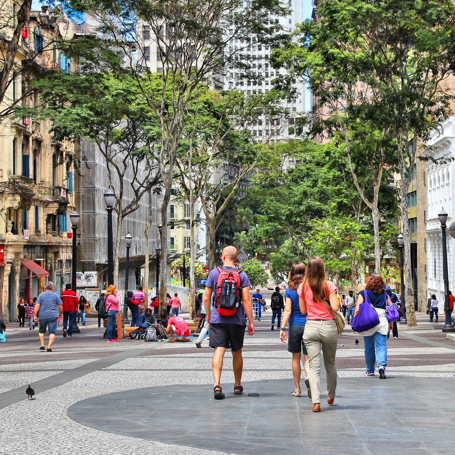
434,303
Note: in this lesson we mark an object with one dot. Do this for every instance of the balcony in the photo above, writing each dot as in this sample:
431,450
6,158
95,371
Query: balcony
59,194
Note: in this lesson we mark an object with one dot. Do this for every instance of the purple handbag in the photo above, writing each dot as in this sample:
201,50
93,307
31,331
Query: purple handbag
391,311
366,318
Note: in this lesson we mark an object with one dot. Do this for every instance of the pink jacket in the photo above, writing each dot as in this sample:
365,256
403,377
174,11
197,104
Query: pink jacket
112,302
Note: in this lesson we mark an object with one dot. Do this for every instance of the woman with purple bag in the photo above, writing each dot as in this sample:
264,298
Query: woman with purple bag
375,338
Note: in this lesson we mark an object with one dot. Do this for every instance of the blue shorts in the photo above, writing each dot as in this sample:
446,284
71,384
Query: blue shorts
51,323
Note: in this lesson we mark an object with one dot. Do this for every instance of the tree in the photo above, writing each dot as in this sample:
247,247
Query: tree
401,51
111,113
256,273
194,40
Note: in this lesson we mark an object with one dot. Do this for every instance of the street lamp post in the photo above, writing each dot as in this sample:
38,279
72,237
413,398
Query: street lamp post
184,269
445,272
74,218
128,242
109,198
404,319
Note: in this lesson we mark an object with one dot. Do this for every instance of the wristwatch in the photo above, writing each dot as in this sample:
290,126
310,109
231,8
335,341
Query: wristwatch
283,328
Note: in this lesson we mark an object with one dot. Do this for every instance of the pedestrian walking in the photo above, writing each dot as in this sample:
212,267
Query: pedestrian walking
97,306
451,304
277,305
30,314
21,312
343,305
155,303
70,309
112,307
168,303
350,306
137,300
318,297
229,288
87,309
49,307
176,305
82,313
433,308
258,296
375,339
204,328
200,299
297,322
394,299
2,332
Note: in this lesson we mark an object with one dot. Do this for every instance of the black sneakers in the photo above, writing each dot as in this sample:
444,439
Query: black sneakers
64,333
382,373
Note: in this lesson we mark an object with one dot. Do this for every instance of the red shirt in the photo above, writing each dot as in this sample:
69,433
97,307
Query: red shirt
69,300
316,310
451,301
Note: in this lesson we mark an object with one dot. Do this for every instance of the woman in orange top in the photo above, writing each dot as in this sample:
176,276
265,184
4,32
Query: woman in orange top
317,296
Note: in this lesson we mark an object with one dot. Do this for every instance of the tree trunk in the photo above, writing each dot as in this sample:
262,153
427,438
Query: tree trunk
147,252
192,257
167,181
211,232
377,247
409,297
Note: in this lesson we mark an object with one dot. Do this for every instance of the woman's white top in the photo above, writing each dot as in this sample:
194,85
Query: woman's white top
434,303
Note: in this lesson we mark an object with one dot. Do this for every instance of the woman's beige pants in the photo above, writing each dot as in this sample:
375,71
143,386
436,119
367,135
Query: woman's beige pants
317,335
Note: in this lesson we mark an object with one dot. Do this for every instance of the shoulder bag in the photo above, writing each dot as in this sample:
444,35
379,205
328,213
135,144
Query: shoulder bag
391,311
366,318
339,320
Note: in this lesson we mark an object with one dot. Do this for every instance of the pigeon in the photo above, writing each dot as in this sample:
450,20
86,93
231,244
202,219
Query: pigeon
356,341
30,392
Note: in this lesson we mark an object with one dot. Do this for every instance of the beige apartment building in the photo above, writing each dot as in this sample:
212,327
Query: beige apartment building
37,174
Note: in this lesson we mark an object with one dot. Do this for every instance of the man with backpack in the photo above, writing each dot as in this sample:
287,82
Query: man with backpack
228,287
277,305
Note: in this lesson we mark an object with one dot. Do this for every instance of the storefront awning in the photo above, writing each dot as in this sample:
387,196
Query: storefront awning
34,268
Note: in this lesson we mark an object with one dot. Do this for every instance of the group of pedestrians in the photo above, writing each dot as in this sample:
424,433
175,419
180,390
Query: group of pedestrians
26,311
310,310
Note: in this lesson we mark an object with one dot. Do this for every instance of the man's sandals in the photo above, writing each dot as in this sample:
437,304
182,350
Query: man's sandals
218,393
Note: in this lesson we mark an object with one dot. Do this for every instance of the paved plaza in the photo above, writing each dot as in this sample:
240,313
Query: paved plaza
133,397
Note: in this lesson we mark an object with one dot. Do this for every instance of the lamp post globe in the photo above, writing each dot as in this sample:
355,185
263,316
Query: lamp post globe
109,198
442,215
74,217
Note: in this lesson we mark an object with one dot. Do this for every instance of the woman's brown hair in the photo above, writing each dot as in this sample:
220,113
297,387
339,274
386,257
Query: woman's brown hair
111,290
296,275
315,278
375,284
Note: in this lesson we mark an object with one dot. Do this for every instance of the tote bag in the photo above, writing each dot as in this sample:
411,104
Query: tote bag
366,318
391,311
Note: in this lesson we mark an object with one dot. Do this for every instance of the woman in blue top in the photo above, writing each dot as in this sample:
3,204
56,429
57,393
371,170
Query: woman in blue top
375,339
297,322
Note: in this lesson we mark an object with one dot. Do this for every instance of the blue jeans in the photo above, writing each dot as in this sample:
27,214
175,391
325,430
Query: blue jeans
350,314
112,323
276,313
380,342
136,317
71,316
50,324
175,311
83,318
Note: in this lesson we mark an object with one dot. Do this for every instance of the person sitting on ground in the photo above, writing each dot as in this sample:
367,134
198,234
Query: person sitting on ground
2,332
147,318
163,318
137,300
177,325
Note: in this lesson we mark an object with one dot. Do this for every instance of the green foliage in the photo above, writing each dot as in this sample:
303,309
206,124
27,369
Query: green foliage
198,267
256,273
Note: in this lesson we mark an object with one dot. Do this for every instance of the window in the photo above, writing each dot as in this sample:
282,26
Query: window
64,63
171,225
67,264
25,161
187,225
425,178
69,181
38,41
147,53
412,199
186,243
24,220
186,211
425,248
413,225
62,222
424,216
172,210
146,32
172,243
173,192
14,156
36,218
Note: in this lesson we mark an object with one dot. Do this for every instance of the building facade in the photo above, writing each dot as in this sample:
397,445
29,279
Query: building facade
37,179
440,195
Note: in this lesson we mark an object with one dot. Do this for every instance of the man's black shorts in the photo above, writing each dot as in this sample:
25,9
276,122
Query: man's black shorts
227,336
